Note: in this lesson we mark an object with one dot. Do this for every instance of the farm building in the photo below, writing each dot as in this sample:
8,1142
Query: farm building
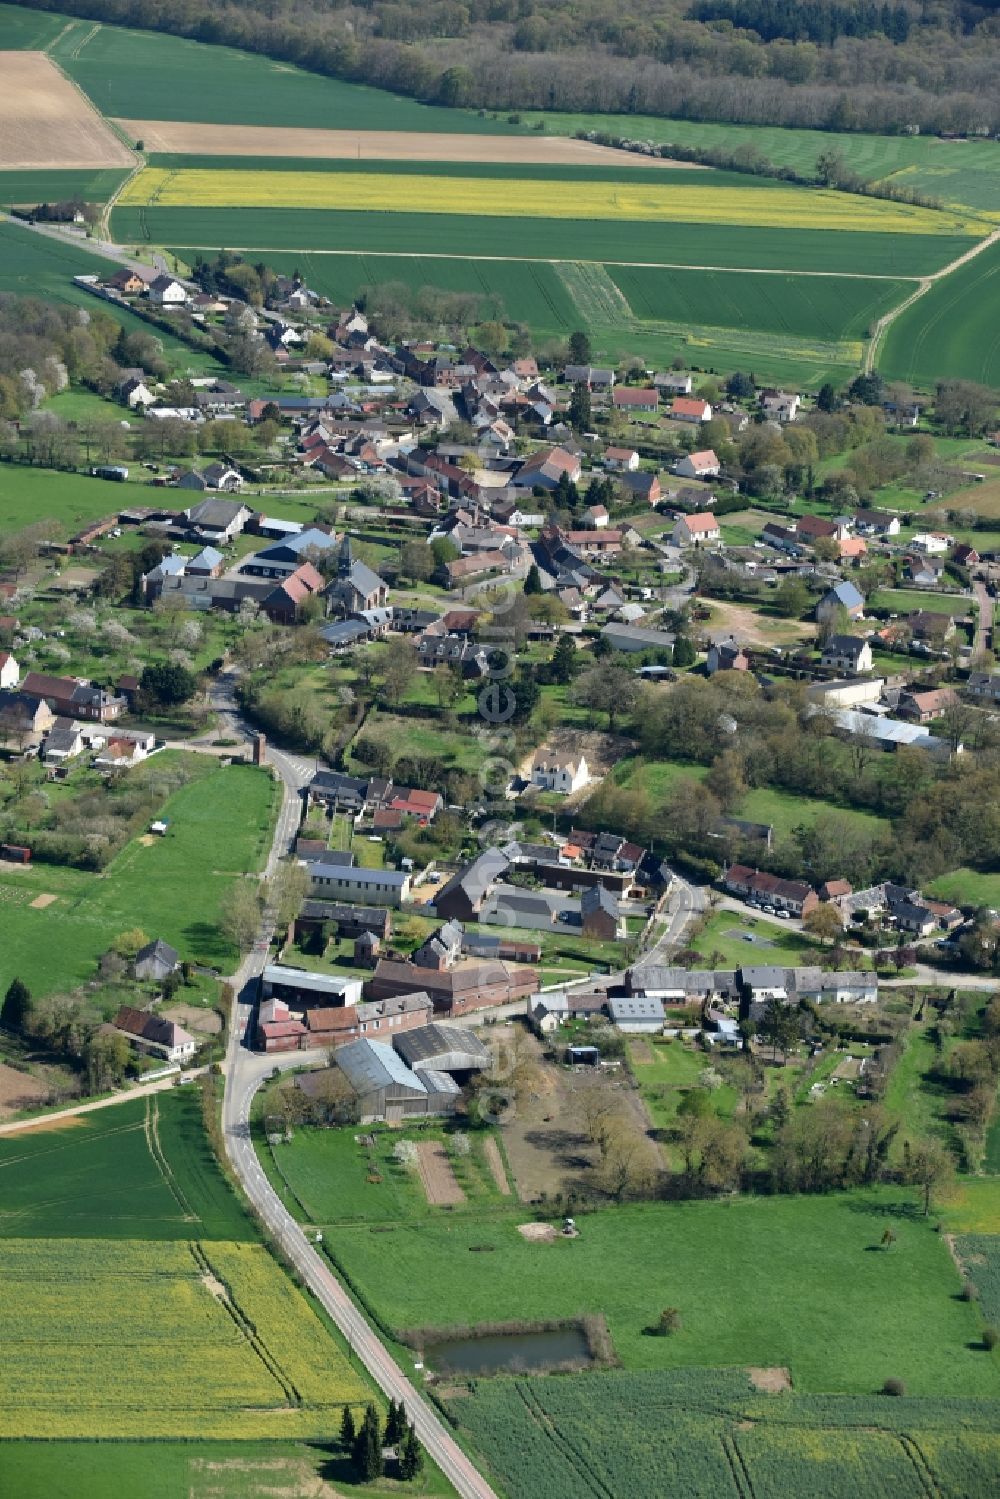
300,987
638,1014
154,1034
387,1089
443,1048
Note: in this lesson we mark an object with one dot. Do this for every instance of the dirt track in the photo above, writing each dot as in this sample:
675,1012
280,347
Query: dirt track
45,122
190,138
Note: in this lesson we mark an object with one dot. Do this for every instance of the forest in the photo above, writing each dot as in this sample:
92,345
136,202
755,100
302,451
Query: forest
833,65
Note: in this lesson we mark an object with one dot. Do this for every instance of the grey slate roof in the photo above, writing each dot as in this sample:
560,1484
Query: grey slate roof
370,1065
444,1048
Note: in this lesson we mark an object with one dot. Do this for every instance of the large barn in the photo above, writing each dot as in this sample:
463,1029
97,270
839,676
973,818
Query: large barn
442,1048
387,1089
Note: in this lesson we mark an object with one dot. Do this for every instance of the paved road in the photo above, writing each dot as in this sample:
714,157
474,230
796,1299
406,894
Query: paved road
245,1072
984,625
685,902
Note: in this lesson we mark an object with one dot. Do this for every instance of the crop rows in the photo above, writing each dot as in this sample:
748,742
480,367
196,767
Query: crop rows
130,1338
690,201
706,1432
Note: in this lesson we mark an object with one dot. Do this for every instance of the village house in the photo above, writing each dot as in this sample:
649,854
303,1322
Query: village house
924,707
155,1034
673,382
164,291
696,531
690,409
599,915
726,655
701,465
24,720
563,773
984,685
794,896
876,523
217,520
70,697
779,406
636,1014
459,990
847,653
630,398
843,596
618,460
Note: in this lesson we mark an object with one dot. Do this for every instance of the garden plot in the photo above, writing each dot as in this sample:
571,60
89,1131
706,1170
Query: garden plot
437,1176
46,122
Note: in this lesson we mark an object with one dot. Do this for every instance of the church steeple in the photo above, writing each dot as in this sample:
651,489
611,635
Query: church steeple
345,562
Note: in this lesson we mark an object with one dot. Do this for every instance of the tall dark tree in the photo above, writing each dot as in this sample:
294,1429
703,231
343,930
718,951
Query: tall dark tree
411,1456
579,408
533,581
347,1429
16,1005
367,1453
564,663
395,1424
168,683
579,348
827,398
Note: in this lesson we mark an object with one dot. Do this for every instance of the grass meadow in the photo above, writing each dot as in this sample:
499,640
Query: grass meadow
952,331
165,887
142,1169
790,1282
31,494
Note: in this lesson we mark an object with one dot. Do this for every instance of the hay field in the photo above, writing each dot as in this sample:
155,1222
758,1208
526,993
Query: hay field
188,138
776,207
46,122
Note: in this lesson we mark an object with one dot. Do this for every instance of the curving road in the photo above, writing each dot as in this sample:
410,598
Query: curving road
245,1073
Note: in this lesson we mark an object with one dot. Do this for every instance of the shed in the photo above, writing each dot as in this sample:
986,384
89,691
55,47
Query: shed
385,1086
442,1048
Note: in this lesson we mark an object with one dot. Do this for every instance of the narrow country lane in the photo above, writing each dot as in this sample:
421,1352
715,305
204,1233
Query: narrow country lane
245,1073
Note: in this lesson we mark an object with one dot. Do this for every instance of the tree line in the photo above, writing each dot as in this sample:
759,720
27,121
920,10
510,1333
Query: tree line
642,58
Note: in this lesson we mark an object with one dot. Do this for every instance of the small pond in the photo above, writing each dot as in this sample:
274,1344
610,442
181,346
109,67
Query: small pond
510,1353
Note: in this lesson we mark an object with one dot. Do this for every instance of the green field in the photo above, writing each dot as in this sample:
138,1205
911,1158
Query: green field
151,76
707,1433
94,185
952,331
140,1169
793,1283
968,887
28,30
193,1470
164,888
955,171
776,942
539,239
31,494
907,600
803,306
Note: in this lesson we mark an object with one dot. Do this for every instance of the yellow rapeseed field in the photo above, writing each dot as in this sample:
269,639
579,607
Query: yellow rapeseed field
679,202
130,1339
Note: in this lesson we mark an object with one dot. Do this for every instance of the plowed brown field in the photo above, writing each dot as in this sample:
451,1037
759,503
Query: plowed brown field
45,122
190,139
